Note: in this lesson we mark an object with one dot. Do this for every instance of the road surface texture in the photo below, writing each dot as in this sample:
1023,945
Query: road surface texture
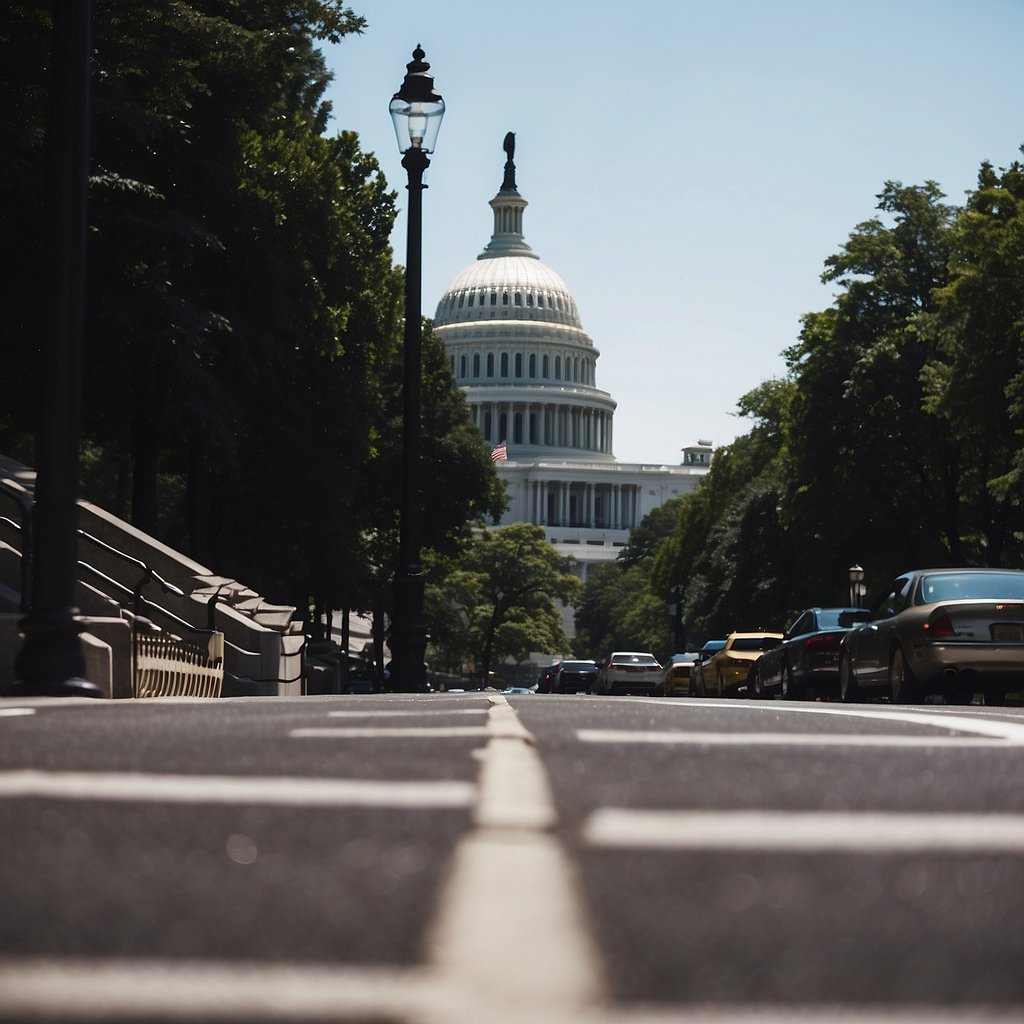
493,860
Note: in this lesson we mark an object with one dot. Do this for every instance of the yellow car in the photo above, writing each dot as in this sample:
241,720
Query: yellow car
728,670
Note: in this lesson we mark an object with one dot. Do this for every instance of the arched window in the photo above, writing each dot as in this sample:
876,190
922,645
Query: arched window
462,367
519,364
545,367
490,364
494,298
558,367
472,296
533,364
504,298
504,364
519,298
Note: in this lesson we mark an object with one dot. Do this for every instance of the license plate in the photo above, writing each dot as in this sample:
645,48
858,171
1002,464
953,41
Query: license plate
1008,632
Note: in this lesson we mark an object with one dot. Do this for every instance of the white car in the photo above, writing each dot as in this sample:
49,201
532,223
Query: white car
630,672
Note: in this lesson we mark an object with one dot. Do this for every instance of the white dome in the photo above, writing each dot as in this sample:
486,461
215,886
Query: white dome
503,287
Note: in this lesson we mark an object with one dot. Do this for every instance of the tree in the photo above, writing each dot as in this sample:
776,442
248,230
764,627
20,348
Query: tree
974,384
499,598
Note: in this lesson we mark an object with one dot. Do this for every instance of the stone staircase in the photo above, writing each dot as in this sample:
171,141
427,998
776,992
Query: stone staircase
130,586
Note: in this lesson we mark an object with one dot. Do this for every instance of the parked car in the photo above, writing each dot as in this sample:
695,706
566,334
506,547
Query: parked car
629,672
807,660
711,647
676,680
954,632
727,671
546,679
576,677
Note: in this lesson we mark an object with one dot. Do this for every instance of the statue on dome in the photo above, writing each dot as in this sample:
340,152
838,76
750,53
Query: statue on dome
509,145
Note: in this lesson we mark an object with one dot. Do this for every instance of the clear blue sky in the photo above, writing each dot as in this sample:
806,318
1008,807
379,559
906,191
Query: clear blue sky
689,166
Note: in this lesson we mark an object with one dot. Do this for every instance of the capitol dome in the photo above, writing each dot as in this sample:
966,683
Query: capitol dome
517,348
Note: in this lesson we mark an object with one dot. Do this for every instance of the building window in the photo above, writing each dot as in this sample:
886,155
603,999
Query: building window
519,298
519,364
472,296
504,364
558,367
476,364
487,426
504,298
494,298
490,364
533,365
545,367
462,367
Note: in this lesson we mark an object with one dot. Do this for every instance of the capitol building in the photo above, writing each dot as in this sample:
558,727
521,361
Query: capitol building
517,348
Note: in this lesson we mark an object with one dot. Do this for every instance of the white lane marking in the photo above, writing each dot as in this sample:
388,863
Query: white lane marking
229,789
130,990
855,832
13,712
127,990
781,739
1011,731
512,889
389,732
418,713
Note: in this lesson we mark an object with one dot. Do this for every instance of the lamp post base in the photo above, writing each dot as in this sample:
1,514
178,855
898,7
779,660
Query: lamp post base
50,662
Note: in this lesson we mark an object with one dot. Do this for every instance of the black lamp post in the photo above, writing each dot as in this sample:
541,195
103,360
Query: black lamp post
50,662
416,110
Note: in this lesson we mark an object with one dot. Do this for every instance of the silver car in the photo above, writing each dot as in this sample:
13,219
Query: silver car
954,632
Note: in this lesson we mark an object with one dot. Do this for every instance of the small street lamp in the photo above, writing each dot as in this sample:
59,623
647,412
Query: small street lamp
416,110
856,574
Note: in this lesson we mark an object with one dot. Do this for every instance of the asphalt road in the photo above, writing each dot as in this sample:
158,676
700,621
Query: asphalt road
482,858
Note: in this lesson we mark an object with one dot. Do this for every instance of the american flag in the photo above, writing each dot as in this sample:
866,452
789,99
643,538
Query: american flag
499,454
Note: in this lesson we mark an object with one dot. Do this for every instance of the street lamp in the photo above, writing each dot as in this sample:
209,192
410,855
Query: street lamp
856,574
50,661
416,110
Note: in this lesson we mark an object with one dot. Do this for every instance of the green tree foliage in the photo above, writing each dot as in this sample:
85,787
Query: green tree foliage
620,610
975,384
499,598
897,437
244,314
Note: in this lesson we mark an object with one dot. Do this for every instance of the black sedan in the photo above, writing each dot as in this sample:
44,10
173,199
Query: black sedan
954,632
576,677
807,660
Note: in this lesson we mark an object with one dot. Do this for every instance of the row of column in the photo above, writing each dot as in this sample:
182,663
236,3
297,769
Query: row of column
585,505
545,425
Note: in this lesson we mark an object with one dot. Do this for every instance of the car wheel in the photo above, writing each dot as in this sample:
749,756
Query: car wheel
755,689
849,691
789,691
902,685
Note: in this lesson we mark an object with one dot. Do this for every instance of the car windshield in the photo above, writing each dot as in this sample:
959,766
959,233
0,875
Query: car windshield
970,586
634,659
579,666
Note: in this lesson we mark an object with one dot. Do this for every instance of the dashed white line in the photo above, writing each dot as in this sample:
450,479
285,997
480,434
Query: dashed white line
229,789
855,832
388,732
781,739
